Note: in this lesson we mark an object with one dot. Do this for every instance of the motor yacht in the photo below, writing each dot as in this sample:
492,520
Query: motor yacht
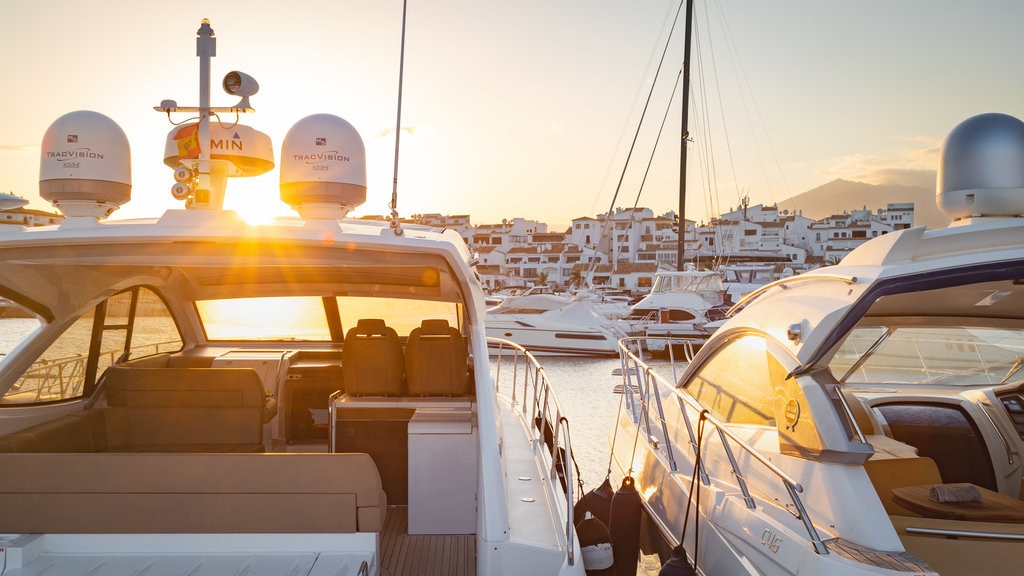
679,306
553,324
864,418
193,394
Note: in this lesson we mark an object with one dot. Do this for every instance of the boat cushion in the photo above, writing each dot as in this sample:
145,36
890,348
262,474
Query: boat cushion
436,360
371,360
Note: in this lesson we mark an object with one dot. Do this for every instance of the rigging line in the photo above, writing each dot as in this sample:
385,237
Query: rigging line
632,146
636,98
757,112
657,139
704,144
721,112
398,129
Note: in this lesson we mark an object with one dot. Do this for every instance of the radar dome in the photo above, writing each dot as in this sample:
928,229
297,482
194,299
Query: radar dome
323,167
85,166
243,150
981,168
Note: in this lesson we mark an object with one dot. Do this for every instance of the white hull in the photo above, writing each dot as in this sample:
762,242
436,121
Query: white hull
866,418
197,395
565,340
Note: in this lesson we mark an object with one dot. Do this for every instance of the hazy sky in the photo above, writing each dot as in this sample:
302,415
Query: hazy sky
527,108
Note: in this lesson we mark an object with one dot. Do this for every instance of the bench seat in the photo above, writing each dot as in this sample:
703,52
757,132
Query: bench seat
160,410
76,493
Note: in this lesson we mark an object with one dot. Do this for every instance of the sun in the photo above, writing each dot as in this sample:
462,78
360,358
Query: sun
254,203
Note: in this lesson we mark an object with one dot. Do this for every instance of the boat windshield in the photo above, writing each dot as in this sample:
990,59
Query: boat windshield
696,282
308,318
930,356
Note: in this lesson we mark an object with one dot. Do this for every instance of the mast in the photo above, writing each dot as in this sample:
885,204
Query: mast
681,242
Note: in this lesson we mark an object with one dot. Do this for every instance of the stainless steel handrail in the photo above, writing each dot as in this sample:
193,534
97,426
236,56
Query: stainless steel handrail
540,406
728,439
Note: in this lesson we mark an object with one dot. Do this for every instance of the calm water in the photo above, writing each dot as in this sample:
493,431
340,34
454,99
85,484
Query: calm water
584,388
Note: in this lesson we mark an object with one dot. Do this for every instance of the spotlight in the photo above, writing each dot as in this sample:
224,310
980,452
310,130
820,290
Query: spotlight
183,174
181,191
240,84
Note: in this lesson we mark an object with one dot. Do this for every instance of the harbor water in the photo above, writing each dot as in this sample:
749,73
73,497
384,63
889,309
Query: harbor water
585,389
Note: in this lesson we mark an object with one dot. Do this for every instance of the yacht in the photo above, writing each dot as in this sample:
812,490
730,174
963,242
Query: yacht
865,418
554,324
680,305
192,394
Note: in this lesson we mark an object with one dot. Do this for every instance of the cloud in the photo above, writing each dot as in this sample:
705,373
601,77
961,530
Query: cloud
389,131
19,148
912,163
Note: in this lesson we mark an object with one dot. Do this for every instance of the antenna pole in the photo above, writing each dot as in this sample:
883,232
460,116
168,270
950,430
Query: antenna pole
398,129
681,246
206,48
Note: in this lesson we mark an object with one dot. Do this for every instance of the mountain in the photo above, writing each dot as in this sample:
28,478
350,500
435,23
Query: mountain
839,195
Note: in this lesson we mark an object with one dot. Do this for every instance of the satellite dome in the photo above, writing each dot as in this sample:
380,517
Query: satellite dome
85,166
323,167
981,168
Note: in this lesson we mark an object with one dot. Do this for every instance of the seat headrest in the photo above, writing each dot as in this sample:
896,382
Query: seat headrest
434,328
371,327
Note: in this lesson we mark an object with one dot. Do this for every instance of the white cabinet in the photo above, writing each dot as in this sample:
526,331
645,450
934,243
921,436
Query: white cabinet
442,471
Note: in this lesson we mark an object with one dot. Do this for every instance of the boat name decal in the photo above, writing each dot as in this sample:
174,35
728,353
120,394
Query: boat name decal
771,540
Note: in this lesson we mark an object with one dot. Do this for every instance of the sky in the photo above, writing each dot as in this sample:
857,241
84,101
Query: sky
530,108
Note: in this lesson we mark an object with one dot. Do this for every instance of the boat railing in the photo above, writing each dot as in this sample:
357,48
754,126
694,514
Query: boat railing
642,388
519,375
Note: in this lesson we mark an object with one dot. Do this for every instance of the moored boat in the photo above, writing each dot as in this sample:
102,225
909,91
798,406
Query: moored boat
195,394
554,324
864,418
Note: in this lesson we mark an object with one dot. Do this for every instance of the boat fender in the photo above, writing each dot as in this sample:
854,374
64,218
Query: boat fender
596,546
678,564
624,525
598,501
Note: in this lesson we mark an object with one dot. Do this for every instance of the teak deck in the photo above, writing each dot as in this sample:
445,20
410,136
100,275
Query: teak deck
423,555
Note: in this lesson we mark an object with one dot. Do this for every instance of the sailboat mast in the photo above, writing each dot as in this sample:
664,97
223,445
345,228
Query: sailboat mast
685,132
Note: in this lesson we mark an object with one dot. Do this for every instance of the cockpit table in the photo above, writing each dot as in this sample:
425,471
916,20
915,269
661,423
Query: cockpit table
993,507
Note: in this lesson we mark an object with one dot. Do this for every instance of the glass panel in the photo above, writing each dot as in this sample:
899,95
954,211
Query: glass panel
59,373
154,330
736,384
943,355
287,318
401,314
16,324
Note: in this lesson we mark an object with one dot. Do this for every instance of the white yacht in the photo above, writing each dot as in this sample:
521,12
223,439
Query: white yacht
866,418
553,324
679,306
191,394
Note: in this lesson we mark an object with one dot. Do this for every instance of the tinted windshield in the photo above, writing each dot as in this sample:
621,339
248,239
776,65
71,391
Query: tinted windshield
309,318
930,355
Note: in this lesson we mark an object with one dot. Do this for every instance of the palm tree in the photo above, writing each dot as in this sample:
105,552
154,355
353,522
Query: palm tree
576,278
